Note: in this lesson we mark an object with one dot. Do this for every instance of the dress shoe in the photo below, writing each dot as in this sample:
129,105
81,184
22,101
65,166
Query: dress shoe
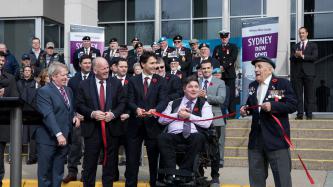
31,161
299,118
168,180
69,178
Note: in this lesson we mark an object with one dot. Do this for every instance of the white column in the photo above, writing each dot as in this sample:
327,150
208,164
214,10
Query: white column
226,15
281,9
39,30
82,12
158,20
299,16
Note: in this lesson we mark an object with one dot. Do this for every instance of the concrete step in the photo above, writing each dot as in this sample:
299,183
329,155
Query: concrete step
296,164
295,132
319,154
309,143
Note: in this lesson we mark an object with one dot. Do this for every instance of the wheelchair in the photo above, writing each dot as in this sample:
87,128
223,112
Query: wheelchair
202,160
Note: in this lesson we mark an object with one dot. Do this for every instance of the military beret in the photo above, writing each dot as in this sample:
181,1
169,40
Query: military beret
203,45
113,40
139,44
162,39
193,41
216,70
175,59
177,37
25,57
123,47
86,38
263,59
154,43
135,39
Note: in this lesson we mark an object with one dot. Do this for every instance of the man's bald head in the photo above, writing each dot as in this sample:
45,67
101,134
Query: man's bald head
3,47
101,68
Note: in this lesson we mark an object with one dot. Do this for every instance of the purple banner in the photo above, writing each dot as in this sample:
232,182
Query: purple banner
78,44
260,45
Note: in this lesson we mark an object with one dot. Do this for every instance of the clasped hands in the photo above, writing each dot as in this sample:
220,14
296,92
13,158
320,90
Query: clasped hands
143,113
102,116
299,54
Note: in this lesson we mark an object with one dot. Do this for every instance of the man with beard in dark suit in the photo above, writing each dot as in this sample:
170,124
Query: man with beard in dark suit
85,49
100,100
303,71
147,93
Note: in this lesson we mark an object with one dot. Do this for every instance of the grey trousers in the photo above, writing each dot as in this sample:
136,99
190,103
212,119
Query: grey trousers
279,161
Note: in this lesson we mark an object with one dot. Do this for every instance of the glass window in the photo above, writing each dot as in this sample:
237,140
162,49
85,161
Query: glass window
62,37
206,29
207,8
318,5
173,9
144,31
114,30
293,26
51,33
241,7
172,28
111,10
140,9
319,25
293,6
17,35
236,27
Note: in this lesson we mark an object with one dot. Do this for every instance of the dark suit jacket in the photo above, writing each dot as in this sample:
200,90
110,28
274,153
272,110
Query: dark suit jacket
131,61
156,99
227,57
8,82
93,53
174,85
263,123
197,61
88,101
57,117
165,57
74,82
306,65
106,55
185,60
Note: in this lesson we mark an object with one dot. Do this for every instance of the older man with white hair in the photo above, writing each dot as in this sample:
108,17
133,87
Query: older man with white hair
267,145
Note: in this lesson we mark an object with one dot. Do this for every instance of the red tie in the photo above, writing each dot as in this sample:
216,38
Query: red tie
102,105
145,86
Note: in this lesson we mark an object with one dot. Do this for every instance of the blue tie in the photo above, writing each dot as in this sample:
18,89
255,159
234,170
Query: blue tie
187,124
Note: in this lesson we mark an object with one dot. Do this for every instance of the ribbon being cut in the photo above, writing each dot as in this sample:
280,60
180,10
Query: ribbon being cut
285,136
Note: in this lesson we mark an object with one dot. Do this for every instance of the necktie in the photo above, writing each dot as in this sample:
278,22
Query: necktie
64,95
205,85
84,77
145,86
302,47
101,96
187,124
121,80
85,51
173,72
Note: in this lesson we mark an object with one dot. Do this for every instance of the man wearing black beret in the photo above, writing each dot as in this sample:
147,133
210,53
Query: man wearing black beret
267,145
85,49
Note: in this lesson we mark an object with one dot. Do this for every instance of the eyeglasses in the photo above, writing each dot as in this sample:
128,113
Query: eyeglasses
160,67
176,42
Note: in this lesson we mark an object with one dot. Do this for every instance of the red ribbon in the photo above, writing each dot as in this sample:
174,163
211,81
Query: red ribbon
285,136
105,145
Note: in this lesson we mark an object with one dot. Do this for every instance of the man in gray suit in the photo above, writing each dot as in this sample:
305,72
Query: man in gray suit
55,103
214,90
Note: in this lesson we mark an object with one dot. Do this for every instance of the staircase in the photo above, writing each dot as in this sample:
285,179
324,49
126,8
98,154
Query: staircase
313,140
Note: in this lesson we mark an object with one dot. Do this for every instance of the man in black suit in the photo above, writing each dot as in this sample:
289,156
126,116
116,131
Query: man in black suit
75,148
135,58
183,53
36,55
8,88
85,49
266,142
165,51
112,52
174,83
204,55
100,100
146,93
226,54
132,52
302,72
55,103
175,68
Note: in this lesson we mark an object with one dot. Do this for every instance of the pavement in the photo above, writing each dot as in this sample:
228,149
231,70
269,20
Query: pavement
229,176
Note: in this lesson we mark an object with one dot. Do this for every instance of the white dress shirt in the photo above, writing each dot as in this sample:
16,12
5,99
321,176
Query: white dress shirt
262,90
99,86
82,75
144,76
176,127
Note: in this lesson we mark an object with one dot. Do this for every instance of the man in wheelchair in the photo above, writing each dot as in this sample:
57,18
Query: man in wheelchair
188,133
